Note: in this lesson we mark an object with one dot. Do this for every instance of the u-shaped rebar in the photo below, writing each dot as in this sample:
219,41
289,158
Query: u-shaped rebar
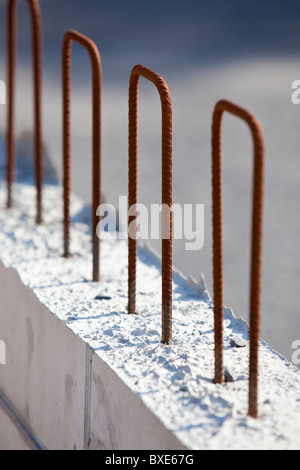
93,51
257,222
37,64
166,107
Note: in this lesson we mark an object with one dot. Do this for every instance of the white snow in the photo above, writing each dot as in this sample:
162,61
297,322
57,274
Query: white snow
174,381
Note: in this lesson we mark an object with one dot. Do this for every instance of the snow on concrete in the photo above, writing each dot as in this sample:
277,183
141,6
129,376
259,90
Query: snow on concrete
174,381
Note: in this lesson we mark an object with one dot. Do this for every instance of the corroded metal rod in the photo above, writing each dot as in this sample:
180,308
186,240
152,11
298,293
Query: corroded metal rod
37,66
93,51
166,107
257,222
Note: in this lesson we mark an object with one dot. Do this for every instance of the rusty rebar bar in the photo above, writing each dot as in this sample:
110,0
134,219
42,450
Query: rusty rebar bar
166,107
37,65
257,221
93,51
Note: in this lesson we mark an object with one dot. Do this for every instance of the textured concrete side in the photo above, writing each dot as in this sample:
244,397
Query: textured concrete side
12,436
59,389
119,419
44,375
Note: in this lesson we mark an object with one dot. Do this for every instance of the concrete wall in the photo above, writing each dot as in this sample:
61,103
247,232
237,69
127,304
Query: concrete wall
56,393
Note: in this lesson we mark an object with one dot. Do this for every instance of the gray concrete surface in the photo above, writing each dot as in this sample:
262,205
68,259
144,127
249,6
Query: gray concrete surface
61,390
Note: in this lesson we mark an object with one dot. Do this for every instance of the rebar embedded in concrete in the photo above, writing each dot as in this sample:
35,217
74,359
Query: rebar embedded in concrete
166,107
37,67
257,222
92,49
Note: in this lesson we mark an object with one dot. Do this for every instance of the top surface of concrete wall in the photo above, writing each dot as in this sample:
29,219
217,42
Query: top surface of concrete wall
174,381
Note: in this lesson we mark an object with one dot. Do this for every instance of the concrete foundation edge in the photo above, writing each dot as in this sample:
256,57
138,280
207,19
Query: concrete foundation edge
56,393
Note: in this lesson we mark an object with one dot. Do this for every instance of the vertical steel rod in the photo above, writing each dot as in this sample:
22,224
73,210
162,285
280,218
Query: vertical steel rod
166,106
37,61
93,51
257,222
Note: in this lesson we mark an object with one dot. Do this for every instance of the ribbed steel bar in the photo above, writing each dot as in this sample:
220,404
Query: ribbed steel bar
257,223
166,107
93,51
37,66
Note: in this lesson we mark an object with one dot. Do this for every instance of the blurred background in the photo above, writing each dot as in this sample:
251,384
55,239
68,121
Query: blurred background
247,52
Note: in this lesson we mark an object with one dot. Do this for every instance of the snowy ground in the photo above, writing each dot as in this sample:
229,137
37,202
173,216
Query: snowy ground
174,381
